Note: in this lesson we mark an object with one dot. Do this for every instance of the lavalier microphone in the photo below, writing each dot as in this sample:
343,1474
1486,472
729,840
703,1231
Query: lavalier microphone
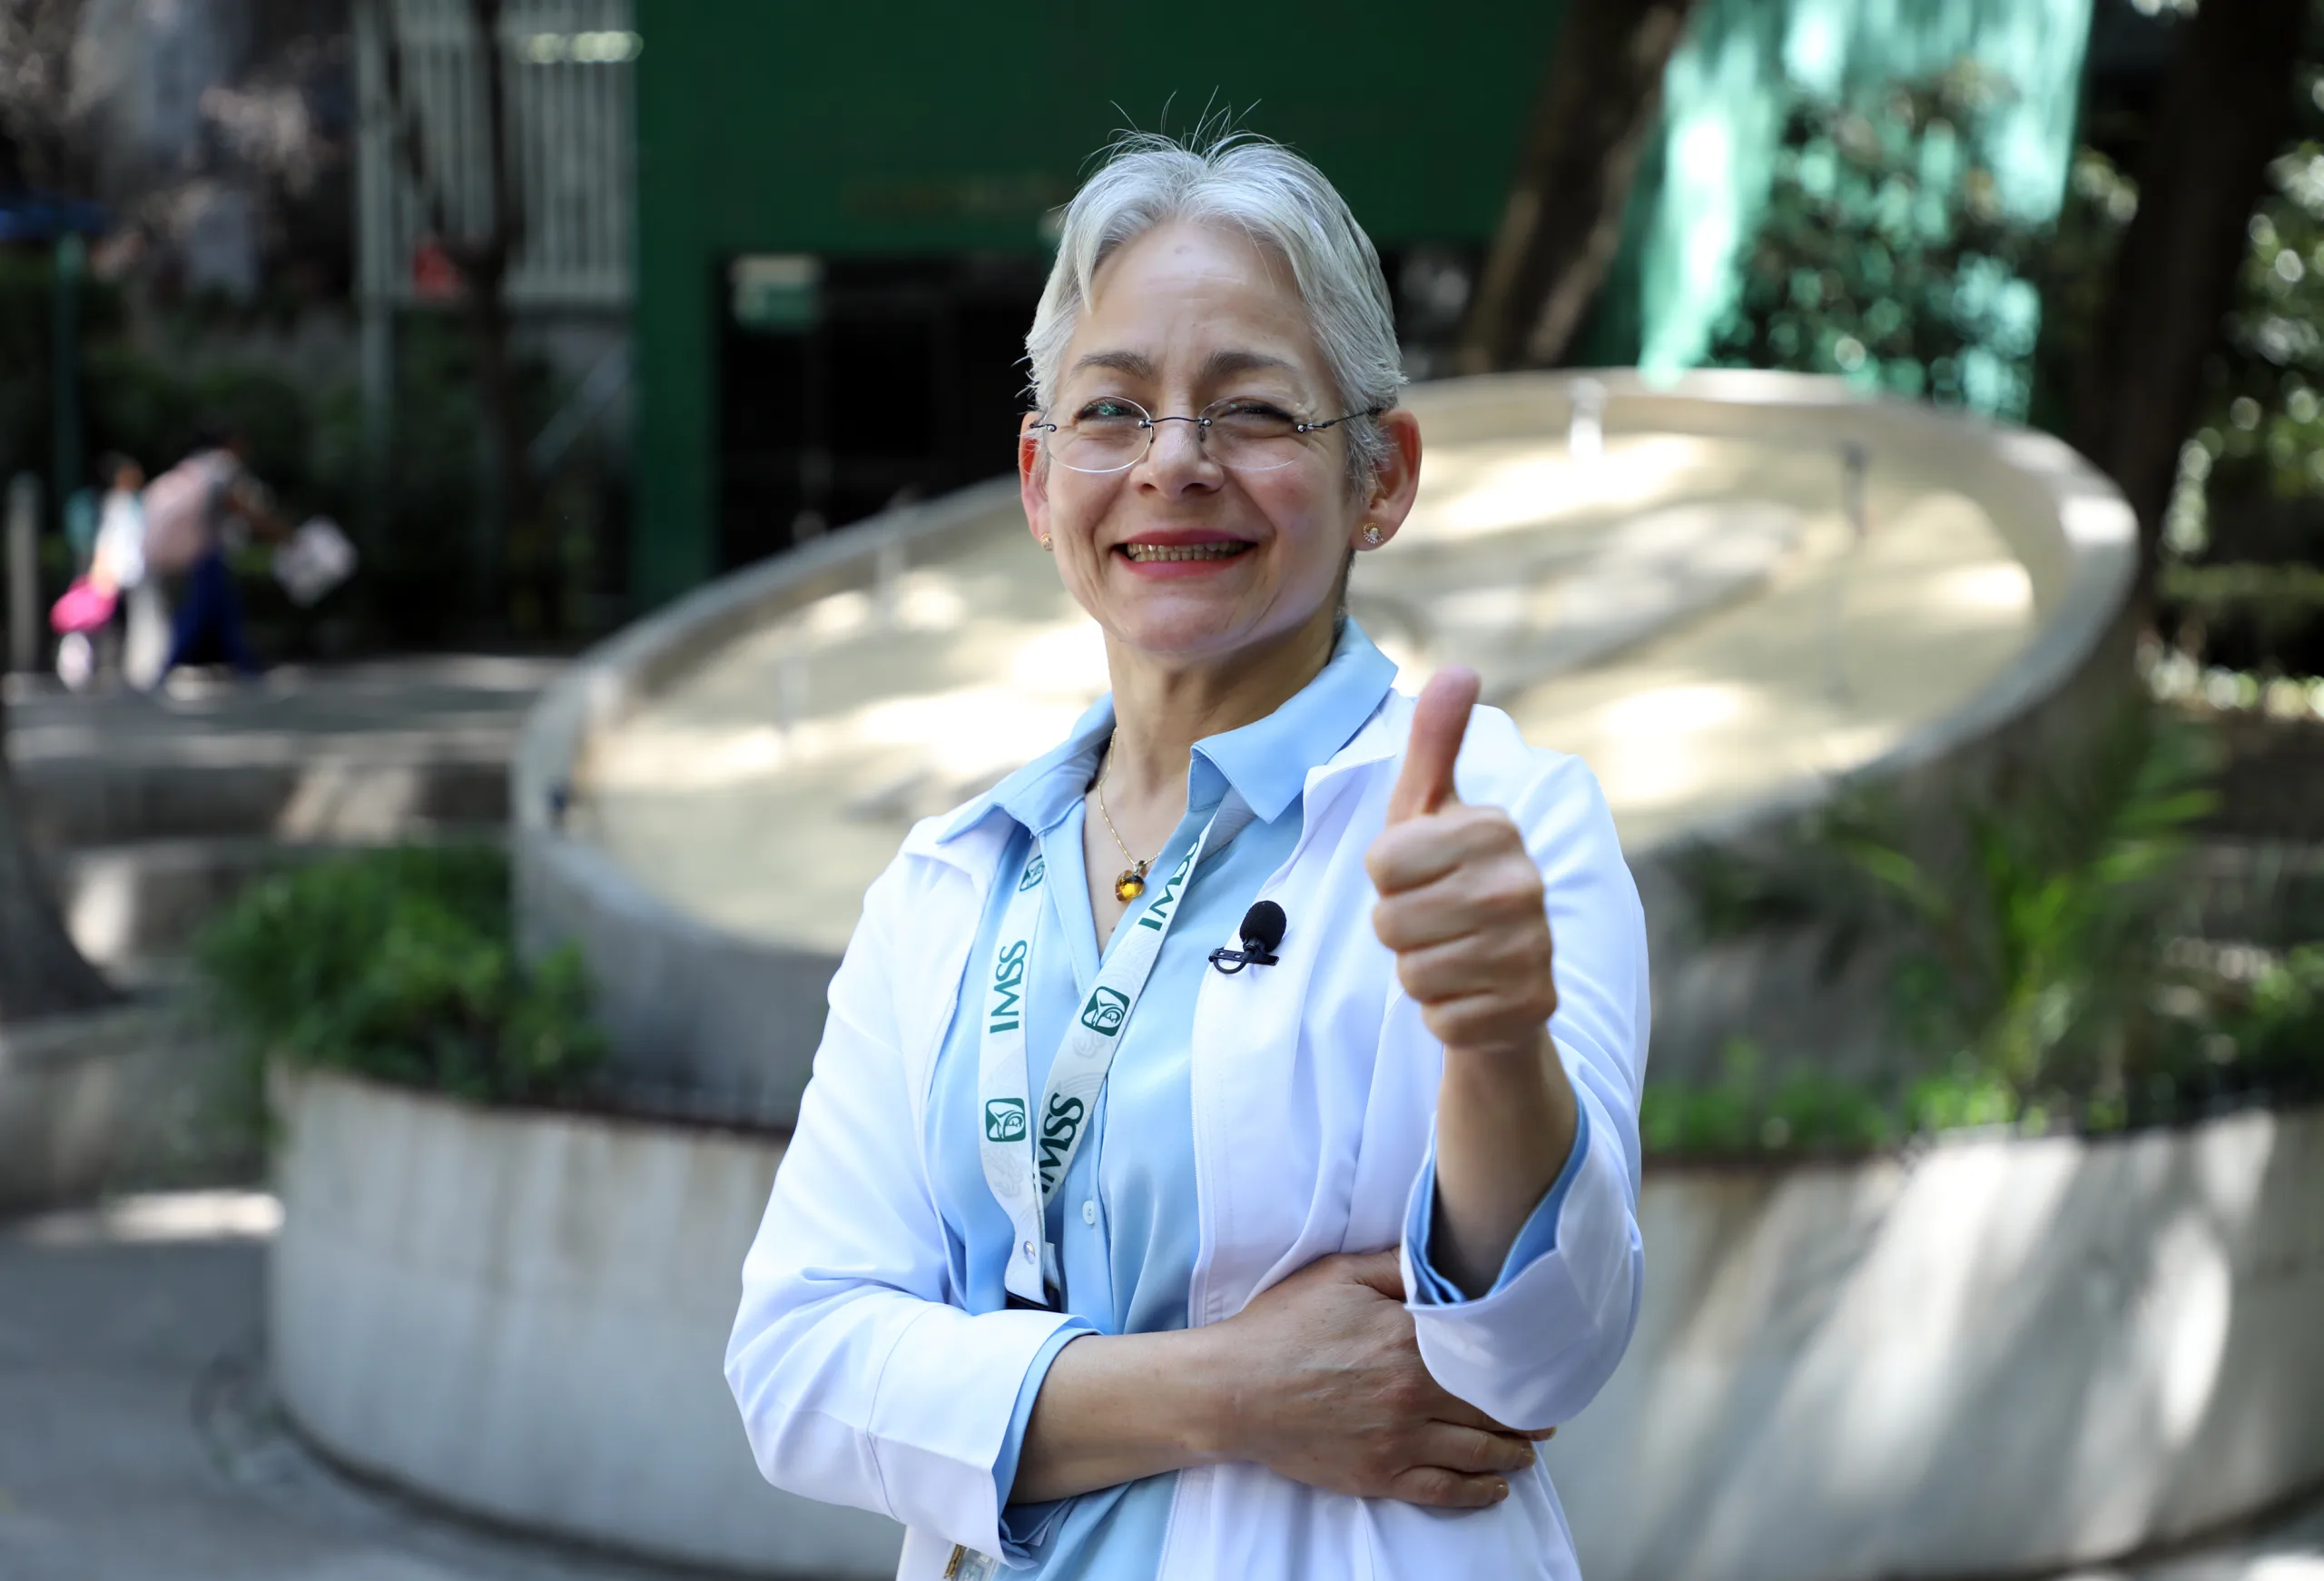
1262,931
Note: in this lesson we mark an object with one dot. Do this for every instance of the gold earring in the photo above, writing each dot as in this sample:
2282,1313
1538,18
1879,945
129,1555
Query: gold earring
1372,536
1046,544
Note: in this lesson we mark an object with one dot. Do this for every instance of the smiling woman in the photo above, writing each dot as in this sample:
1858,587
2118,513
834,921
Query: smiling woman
1088,1259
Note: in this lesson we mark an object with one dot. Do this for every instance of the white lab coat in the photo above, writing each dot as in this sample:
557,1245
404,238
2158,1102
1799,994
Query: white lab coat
1315,1093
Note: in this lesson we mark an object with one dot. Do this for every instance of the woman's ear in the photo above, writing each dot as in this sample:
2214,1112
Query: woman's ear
1032,478
1397,481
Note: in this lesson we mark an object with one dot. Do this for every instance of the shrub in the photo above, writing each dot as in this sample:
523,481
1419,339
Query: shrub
1741,1113
399,964
2044,974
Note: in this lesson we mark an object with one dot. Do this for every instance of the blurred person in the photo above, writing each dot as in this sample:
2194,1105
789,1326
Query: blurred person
120,563
117,557
120,545
1105,1246
107,534
192,513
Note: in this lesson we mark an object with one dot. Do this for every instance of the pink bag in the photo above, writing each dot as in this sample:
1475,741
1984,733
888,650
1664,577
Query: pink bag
85,606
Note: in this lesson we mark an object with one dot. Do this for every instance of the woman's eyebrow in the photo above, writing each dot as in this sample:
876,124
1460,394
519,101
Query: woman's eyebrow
1136,364
1218,365
1225,364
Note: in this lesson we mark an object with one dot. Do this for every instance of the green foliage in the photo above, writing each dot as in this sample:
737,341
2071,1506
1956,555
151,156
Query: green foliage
2043,977
1884,255
27,301
399,965
2278,1030
2272,428
1744,1112
2252,1025
2250,483
2278,597
2037,945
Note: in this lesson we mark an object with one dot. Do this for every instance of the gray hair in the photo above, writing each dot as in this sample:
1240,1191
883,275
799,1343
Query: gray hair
1279,200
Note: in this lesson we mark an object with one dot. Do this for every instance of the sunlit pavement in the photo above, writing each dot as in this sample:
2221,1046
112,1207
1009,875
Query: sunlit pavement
137,1441
472,702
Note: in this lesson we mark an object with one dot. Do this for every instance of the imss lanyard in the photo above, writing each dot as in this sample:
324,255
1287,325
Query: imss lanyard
1025,1164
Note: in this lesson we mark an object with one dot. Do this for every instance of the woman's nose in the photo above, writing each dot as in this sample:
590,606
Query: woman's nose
1177,455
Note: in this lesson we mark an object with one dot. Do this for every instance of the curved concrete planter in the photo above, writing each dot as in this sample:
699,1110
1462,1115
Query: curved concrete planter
1996,1356
138,1094
523,1314
2000,1355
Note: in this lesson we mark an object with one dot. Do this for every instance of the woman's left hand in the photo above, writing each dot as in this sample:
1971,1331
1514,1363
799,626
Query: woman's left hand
1463,907
1461,902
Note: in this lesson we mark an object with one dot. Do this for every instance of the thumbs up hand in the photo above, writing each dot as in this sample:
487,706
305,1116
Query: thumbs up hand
1461,902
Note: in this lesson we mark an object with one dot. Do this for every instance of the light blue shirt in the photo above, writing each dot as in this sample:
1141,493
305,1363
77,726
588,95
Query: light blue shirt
1123,1219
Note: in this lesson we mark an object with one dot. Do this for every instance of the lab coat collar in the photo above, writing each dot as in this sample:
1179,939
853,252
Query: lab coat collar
1267,763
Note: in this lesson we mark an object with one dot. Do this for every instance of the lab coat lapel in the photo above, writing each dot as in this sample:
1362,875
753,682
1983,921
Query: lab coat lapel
1273,1121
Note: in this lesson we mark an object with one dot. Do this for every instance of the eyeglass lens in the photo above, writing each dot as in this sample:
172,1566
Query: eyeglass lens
1110,433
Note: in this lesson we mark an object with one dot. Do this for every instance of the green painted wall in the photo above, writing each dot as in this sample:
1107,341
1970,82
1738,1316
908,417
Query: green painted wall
920,127
916,127
1725,95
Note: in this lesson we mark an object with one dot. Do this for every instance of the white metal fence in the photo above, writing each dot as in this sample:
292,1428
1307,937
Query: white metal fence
569,116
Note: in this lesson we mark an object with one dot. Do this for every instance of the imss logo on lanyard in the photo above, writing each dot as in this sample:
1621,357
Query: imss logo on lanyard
1027,1151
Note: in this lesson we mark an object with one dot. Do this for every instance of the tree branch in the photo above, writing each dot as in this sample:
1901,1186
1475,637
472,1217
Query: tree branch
1601,97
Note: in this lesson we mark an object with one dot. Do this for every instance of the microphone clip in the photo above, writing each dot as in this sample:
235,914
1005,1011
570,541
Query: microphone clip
1233,961
1262,931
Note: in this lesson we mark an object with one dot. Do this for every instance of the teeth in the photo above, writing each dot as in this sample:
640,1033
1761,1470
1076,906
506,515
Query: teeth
1145,552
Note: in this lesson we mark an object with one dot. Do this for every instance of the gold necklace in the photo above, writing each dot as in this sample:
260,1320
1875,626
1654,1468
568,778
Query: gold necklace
1130,882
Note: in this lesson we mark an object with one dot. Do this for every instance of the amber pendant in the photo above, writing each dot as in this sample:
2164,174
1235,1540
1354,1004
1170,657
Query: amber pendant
1130,884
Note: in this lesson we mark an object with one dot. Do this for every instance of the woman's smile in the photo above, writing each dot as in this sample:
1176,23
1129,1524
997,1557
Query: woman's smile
1172,554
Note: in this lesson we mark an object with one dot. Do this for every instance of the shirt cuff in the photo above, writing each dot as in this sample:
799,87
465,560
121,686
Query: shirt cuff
1537,1239
1025,1527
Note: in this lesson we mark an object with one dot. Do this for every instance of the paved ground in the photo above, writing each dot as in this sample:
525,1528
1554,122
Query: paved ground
479,696
137,1442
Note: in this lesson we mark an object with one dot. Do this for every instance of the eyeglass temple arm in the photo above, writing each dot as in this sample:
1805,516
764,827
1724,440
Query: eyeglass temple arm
1310,428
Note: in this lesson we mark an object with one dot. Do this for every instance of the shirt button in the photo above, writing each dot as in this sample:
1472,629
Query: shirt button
1089,1212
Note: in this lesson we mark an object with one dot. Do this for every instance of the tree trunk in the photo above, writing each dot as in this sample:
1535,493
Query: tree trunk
1599,104
41,971
483,263
2225,112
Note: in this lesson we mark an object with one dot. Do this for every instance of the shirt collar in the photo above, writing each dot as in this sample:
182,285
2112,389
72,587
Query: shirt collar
1266,762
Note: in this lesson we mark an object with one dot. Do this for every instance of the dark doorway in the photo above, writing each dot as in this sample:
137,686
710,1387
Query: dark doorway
847,385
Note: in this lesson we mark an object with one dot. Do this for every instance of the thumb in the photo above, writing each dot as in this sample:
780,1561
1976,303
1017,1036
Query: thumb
1439,720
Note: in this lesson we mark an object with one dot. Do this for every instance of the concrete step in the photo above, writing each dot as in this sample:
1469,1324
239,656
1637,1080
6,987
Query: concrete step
366,753
324,796
135,907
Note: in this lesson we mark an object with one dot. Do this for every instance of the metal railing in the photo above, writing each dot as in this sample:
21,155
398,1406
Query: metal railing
570,114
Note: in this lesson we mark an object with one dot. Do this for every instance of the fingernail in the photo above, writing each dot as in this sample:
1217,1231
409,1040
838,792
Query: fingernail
1500,1488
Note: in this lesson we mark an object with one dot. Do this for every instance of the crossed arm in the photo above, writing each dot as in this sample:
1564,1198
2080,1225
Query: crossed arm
1321,1378
1318,1379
